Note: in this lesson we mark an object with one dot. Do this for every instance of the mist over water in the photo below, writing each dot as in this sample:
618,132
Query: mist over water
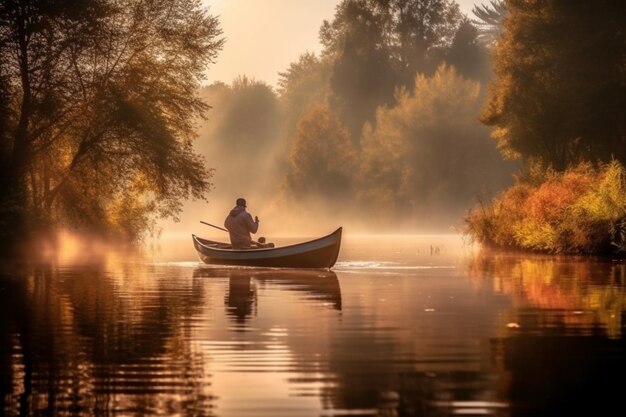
355,139
278,223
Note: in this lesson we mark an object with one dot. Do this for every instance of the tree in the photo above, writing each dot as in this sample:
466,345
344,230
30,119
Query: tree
302,85
249,123
102,109
559,93
468,55
361,77
241,136
427,158
377,45
489,19
322,158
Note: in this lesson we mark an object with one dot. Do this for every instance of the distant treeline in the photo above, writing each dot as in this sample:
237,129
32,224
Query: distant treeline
385,124
381,126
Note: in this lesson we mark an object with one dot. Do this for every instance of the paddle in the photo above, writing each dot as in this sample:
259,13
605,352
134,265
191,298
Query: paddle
225,230
212,225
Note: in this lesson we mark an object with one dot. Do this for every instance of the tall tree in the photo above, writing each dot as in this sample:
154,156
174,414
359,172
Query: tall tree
560,92
322,158
427,158
102,108
378,45
468,54
361,77
489,19
305,83
240,136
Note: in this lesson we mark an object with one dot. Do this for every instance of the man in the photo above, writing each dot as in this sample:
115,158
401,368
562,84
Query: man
240,224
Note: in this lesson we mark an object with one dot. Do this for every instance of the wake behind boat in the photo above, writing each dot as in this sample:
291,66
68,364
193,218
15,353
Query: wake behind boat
318,253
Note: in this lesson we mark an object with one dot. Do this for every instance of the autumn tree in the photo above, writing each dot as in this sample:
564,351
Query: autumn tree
246,124
361,77
322,158
377,45
305,83
560,87
100,110
427,159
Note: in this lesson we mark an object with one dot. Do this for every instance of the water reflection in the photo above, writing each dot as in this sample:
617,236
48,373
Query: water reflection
557,294
241,296
568,343
78,344
496,334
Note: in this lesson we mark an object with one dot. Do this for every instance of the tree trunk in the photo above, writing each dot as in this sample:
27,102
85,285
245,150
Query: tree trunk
14,184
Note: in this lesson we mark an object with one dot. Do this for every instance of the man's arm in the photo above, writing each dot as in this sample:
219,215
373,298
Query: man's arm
253,225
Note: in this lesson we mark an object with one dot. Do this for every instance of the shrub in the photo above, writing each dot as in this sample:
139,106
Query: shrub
581,210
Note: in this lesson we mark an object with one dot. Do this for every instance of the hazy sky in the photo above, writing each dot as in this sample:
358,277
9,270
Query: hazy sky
264,36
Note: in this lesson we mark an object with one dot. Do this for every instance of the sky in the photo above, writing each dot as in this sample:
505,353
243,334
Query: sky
264,36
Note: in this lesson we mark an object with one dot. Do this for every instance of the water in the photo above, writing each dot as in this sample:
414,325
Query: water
395,329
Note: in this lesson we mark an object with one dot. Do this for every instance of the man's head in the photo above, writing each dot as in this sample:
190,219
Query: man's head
241,202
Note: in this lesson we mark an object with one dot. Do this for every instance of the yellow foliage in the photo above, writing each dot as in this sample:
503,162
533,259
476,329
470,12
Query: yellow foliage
582,210
322,158
420,157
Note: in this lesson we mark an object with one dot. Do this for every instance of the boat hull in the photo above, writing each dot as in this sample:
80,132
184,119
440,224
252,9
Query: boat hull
318,253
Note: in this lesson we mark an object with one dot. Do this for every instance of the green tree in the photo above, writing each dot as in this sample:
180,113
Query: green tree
102,104
560,87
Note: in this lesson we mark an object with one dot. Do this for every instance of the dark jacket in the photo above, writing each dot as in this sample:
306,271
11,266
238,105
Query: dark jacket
240,224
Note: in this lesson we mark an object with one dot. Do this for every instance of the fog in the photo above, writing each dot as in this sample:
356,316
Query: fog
377,133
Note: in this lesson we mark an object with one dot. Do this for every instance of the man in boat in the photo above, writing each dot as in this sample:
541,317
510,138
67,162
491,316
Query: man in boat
240,225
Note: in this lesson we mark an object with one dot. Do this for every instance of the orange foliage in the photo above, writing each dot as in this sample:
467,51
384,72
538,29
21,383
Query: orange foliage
582,210
549,202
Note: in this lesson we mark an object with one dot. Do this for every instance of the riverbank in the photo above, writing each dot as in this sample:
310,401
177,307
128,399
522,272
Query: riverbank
579,211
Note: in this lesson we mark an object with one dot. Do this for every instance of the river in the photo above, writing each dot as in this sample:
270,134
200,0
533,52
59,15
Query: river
416,325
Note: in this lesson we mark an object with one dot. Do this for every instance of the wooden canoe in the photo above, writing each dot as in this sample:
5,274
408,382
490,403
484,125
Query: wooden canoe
318,253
